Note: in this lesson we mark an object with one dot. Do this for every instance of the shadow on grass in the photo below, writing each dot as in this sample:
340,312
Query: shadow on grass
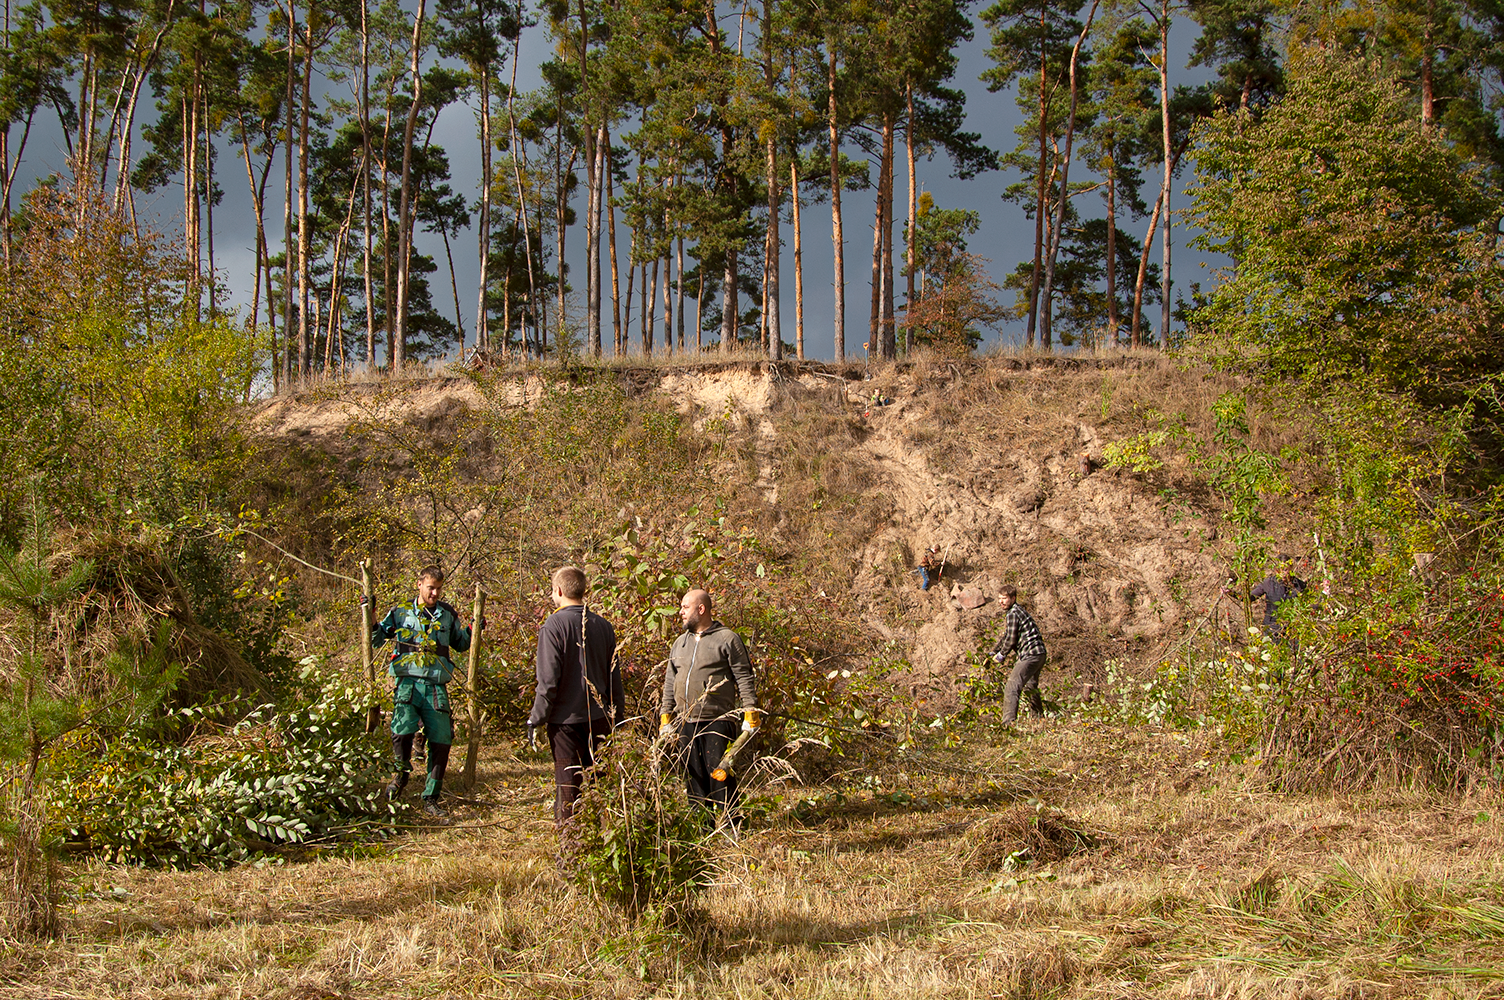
744,939
835,810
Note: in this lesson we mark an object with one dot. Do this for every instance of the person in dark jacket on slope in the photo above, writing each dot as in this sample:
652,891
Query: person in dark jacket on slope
1277,588
709,679
580,696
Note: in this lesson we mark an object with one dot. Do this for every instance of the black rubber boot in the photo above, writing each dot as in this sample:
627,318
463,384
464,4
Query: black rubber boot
438,762
402,754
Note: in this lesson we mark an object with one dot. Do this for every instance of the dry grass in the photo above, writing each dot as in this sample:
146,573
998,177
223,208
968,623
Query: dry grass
1195,883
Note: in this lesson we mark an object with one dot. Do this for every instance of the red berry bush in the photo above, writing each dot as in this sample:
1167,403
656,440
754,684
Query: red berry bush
1401,690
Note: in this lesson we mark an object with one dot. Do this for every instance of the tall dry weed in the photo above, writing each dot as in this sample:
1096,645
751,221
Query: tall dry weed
31,888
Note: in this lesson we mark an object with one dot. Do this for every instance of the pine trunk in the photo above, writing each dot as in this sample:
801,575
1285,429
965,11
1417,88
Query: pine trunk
679,293
388,286
772,307
366,201
616,326
1058,228
774,258
888,332
1112,250
405,201
798,262
518,154
258,210
287,199
305,140
909,234
700,312
668,299
729,318
837,236
649,308
1136,333
209,207
482,326
454,289
1164,115
598,173
874,316
1427,77
1040,205
561,206
593,187
626,322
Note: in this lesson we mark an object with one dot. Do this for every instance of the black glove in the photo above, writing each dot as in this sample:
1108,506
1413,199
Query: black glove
532,736
480,625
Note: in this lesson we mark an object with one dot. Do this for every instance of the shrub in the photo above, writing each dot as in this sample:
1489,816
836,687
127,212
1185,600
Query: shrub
268,783
1226,688
122,398
635,841
1136,453
1407,689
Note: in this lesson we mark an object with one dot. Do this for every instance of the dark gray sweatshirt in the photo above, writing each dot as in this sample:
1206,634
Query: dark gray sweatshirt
708,675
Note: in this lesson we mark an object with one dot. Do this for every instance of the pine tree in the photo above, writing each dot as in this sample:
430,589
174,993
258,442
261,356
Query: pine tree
475,32
1031,42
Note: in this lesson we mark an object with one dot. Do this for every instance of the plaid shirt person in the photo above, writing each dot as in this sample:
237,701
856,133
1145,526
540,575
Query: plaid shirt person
1020,634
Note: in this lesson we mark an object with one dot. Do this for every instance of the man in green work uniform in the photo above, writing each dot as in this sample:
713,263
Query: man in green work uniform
426,631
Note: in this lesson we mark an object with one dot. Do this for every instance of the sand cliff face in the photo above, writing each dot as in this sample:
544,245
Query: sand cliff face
996,462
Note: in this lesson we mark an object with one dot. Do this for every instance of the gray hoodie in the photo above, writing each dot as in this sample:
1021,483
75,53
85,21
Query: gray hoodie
708,675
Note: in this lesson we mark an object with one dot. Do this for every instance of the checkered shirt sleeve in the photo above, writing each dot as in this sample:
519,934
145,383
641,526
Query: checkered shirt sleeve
1021,633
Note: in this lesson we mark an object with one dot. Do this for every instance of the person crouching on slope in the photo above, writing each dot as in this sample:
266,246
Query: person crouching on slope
426,631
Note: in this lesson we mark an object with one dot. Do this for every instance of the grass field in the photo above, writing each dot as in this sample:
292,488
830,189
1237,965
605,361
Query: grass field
1063,859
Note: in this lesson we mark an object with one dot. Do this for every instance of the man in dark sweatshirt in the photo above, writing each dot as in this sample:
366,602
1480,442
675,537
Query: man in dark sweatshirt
580,695
707,683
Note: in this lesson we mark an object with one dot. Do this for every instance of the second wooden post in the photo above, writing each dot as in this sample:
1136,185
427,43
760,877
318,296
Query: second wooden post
473,709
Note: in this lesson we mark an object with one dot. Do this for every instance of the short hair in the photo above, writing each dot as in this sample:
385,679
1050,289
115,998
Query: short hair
431,572
570,581
1008,590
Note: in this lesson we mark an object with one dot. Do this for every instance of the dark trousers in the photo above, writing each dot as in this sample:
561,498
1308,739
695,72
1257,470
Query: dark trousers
438,763
573,745
701,746
1024,678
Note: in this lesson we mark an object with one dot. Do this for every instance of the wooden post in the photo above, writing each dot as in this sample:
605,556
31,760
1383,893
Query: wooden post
367,609
473,709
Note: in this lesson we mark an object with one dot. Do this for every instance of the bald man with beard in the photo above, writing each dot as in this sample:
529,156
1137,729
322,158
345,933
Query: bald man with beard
708,682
